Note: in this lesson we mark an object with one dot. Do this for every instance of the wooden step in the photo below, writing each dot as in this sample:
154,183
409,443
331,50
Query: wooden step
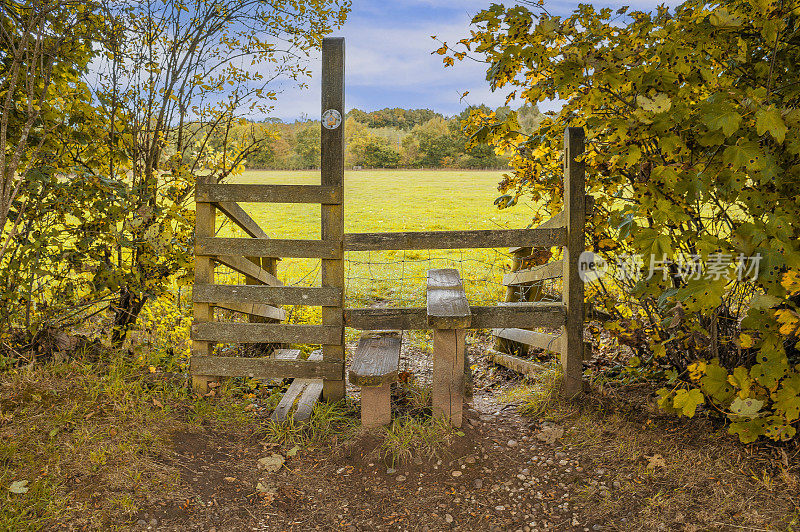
374,368
546,341
301,395
447,307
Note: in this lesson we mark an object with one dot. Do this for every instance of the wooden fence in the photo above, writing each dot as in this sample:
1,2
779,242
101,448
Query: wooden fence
262,297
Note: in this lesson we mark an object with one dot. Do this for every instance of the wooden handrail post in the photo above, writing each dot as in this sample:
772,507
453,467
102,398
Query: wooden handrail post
573,294
205,221
332,169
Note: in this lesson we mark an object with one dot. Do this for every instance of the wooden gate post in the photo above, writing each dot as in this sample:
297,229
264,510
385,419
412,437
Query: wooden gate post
205,221
575,218
332,169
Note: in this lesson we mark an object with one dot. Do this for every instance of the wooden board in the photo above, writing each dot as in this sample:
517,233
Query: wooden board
376,358
249,193
546,341
491,238
332,216
525,315
247,267
264,368
267,295
558,220
241,218
551,270
259,333
303,392
520,365
205,216
259,247
254,309
447,392
447,306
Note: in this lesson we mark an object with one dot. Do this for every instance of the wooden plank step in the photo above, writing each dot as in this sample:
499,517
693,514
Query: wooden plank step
551,270
489,238
520,365
249,268
241,218
546,341
253,193
376,358
264,368
273,248
272,295
265,333
304,393
447,306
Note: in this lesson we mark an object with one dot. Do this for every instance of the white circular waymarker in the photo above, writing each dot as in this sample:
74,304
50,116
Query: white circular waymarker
331,119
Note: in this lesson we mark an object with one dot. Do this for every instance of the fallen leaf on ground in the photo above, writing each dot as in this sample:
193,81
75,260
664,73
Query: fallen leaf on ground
293,450
550,433
271,462
18,486
655,461
229,479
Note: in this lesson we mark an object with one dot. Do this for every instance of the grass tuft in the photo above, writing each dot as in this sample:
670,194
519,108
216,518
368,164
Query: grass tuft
538,393
409,436
328,420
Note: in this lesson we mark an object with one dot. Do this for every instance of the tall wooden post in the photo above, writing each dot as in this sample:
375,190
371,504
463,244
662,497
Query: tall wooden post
333,215
205,220
575,218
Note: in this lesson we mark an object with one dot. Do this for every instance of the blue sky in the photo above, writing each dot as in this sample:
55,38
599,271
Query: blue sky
389,61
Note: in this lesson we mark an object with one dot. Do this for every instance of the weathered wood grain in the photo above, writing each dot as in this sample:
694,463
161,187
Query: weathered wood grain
525,315
254,309
260,333
551,270
264,368
491,238
332,223
301,392
573,289
205,216
447,393
241,218
520,365
250,193
376,405
546,341
248,268
447,303
376,358
267,295
258,247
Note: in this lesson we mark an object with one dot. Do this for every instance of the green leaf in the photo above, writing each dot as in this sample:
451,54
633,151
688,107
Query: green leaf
715,383
748,431
18,486
770,120
722,116
293,451
771,367
660,103
748,408
687,401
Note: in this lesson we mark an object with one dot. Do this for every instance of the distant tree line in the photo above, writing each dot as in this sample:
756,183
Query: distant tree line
389,138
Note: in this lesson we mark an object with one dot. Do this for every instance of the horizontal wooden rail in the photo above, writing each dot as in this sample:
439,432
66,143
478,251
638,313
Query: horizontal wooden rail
263,333
258,247
273,295
551,270
241,218
455,239
548,342
227,192
248,268
550,315
265,368
253,309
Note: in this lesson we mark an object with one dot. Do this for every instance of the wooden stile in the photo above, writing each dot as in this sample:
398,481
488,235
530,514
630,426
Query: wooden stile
540,340
264,368
448,307
332,170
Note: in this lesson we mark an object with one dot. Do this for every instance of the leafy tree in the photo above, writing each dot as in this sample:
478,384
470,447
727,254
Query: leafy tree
691,118
373,152
308,146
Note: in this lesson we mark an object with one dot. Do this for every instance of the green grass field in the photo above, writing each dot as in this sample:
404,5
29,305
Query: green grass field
388,201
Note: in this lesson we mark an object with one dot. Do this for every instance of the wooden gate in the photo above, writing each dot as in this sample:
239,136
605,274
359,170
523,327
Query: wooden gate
262,296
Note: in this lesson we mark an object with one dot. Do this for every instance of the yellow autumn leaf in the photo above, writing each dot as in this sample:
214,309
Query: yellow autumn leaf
746,341
791,281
